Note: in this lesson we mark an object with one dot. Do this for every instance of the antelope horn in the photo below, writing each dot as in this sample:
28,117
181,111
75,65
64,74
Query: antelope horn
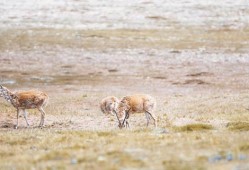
1,86
117,116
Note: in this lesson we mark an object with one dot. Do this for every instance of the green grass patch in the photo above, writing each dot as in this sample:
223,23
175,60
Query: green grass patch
104,134
182,165
244,147
193,127
241,126
56,155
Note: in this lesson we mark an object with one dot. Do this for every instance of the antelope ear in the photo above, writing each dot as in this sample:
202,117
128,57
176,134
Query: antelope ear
127,111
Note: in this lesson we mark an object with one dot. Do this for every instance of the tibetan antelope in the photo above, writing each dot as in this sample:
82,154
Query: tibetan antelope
109,105
26,100
139,103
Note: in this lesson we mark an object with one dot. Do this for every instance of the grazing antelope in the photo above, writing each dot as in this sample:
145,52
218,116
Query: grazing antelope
26,100
109,105
139,103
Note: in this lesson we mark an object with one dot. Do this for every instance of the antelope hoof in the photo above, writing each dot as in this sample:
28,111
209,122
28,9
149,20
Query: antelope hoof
15,127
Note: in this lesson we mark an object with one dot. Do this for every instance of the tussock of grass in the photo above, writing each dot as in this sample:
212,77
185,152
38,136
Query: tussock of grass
244,147
241,126
180,165
78,146
105,134
55,155
193,127
4,154
142,130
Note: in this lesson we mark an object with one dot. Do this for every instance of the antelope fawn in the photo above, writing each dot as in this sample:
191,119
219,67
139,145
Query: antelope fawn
26,100
139,103
109,105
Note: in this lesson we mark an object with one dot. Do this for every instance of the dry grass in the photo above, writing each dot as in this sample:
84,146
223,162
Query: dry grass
72,138
48,148
182,165
191,146
241,126
193,127
178,38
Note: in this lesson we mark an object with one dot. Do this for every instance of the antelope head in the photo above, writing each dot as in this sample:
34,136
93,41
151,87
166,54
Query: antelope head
8,95
122,117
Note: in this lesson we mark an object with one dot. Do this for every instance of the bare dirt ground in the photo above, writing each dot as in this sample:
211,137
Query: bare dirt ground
191,56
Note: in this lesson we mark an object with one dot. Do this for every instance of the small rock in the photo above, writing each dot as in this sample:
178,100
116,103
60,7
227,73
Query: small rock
215,158
160,131
33,148
242,157
229,157
101,158
74,161
175,51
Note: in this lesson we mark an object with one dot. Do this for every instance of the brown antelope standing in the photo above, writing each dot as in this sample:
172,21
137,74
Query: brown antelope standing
26,100
109,105
139,103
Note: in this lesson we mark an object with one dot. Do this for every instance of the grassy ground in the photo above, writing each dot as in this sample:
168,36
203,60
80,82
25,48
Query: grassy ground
198,74
199,148
182,141
231,40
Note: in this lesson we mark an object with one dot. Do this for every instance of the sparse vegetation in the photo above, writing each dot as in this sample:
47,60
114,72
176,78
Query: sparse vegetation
193,59
182,165
193,127
244,147
241,126
125,38
48,148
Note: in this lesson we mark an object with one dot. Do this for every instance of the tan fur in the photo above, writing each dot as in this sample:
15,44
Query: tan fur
26,100
138,103
31,99
109,105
